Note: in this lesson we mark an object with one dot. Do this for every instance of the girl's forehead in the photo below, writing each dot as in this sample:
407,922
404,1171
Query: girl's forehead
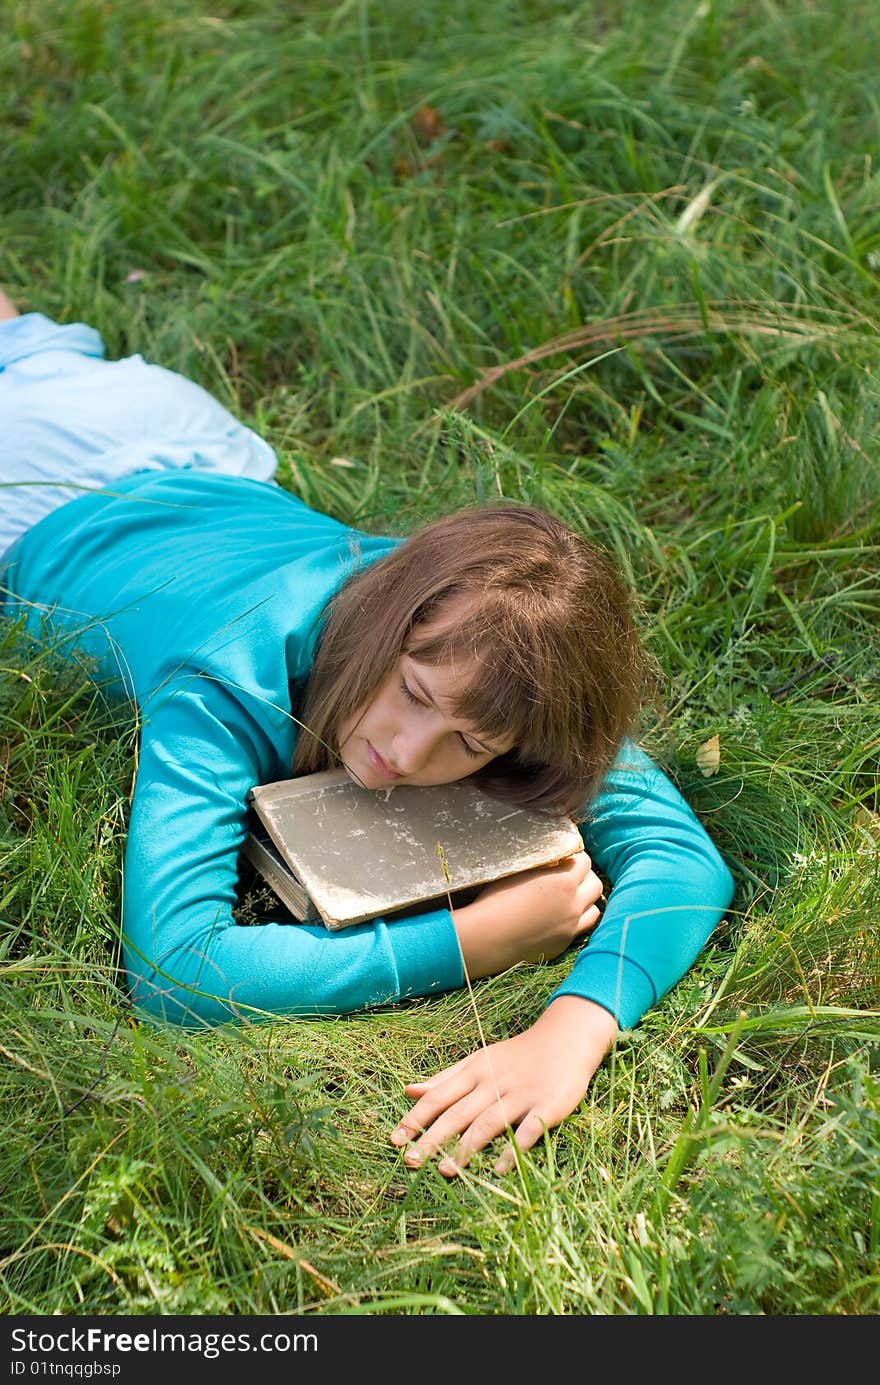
443,681
445,636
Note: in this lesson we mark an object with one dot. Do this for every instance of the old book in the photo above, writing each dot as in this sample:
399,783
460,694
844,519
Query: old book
338,853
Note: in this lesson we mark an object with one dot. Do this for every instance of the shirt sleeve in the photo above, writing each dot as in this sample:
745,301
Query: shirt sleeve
187,960
669,888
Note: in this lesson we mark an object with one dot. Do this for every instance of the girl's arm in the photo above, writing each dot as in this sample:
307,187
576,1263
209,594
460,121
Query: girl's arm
187,959
669,889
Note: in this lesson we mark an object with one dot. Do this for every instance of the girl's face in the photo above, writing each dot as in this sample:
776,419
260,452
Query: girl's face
409,734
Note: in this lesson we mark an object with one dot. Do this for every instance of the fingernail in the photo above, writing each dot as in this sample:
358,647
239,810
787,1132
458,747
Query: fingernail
400,1135
448,1167
412,1158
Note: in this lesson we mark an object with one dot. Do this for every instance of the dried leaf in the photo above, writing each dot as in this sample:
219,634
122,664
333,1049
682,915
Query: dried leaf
427,125
709,756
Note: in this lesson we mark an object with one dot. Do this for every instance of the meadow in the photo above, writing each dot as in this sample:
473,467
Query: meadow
622,260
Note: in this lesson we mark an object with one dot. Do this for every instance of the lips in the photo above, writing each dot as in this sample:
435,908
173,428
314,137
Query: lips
380,765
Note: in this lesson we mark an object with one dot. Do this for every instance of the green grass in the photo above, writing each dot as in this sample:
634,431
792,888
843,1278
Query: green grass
630,269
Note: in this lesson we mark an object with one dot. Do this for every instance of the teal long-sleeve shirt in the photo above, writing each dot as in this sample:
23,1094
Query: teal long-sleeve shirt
200,598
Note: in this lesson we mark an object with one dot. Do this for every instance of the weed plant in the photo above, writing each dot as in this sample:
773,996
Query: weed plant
621,260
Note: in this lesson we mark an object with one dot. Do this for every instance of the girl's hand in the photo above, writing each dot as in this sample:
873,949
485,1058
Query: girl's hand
529,917
529,1083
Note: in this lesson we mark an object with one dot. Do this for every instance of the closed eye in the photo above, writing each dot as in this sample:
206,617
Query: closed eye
409,694
468,749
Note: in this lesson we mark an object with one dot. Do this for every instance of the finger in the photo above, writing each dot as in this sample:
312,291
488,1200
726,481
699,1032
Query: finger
591,887
589,918
492,1121
447,1127
410,1126
438,1077
579,865
527,1133
435,1097
575,867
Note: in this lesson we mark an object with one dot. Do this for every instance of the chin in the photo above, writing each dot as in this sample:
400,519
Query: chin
356,777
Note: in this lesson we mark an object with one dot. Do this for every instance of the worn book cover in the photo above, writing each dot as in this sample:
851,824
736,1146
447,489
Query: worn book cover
340,853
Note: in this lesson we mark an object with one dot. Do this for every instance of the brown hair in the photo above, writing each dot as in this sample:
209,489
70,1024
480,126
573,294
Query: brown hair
560,664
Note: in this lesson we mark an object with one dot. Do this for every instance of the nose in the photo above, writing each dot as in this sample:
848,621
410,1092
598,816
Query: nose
413,746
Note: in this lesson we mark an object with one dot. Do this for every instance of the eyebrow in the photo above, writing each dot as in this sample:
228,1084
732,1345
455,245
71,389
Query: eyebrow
429,698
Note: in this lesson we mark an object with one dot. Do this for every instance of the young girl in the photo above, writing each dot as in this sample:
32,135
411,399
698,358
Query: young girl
140,526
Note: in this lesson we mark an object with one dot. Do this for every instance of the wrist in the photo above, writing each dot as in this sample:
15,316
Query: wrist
474,939
583,1024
